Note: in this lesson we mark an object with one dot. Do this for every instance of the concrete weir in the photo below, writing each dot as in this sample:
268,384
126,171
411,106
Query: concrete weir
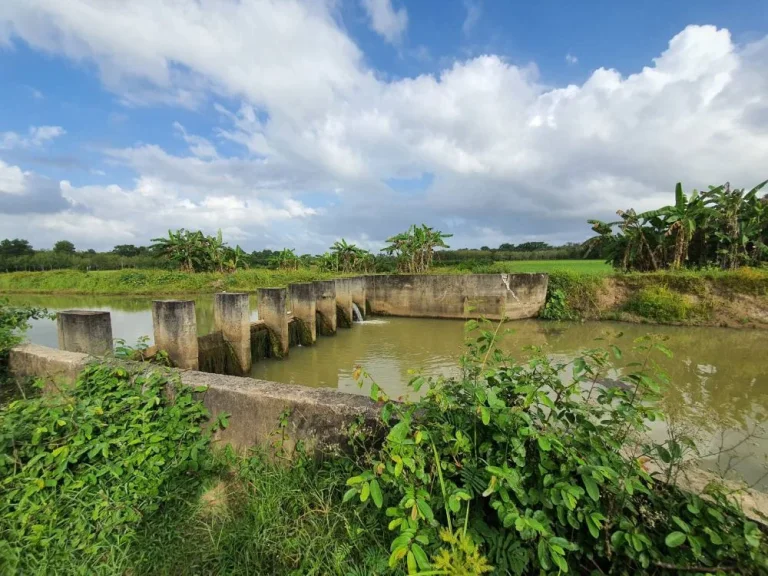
492,296
344,302
325,306
304,311
86,331
357,288
274,313
175,328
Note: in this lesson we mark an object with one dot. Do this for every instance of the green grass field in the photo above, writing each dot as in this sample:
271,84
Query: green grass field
165,282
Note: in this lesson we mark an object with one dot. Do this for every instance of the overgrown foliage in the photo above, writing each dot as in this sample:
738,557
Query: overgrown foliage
720,227
81,468
516,467
414,249
14,321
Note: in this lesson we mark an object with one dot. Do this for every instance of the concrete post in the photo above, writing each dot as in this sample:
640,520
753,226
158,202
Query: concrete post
85,331
344,302
304,309
232,317
272,310
175,329
357,286
325,299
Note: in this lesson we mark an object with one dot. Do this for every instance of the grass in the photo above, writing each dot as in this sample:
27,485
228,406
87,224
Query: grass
255,516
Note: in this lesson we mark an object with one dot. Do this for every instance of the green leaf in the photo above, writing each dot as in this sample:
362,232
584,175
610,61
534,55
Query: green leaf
425,510
421,557
485,414
376,496
412,569
591,486
674,539
365,492
349,494
544,443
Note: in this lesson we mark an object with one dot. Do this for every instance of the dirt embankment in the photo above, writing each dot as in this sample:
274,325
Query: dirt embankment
727,299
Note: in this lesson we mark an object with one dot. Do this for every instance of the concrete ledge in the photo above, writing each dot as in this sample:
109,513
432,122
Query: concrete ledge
492,296
317,417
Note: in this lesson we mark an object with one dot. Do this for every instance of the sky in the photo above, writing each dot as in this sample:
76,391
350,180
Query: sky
291,123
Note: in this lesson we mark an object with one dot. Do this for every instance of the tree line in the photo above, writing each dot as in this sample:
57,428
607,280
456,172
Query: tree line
722,227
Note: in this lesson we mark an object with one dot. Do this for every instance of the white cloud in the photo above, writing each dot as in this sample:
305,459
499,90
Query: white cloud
12,179
510,158
389,23
36,136
571,59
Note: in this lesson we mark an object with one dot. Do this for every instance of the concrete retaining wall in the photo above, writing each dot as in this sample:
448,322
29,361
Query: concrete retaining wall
318,417
493,296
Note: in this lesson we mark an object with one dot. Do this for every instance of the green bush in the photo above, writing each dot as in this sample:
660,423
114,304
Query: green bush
81,469
661,304
519,469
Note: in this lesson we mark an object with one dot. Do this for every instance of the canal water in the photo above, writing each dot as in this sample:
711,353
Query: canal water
719,376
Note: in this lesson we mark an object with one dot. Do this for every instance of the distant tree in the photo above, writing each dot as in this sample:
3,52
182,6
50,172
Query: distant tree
485,248
128,250
506,247
532,246
15,247
64,247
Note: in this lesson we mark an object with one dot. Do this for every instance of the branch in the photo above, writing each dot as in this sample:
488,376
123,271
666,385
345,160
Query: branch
705,569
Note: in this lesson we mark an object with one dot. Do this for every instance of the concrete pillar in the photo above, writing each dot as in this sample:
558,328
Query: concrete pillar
232,317
273,311
85,331
344,302
304,310
325,300
175,329
357,286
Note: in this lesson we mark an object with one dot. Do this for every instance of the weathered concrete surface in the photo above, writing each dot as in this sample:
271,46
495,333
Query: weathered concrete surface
175,328
86,331
273,312
357,287
493,296
316,417
57,368
343,302
232,317
325,304
304,310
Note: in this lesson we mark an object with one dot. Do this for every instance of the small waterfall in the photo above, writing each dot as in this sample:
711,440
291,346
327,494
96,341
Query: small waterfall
357,316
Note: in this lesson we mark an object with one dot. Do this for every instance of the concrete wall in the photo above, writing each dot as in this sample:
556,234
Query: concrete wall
493,296
318,416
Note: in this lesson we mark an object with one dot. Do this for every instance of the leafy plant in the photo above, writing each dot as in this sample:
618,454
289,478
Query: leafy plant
81,469
520,467
415,248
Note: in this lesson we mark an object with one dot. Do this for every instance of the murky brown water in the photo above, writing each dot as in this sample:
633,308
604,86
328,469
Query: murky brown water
719,376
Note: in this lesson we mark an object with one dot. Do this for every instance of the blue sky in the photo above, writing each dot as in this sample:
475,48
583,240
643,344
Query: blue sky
296,123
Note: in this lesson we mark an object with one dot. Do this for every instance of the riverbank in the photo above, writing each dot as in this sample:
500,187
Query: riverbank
737,299
578,290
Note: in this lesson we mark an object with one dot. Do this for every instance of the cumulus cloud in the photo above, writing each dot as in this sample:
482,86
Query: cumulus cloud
35,136
389,23
319,133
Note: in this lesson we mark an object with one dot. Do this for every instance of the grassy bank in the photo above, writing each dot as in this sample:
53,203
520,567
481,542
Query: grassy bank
164,282
704,298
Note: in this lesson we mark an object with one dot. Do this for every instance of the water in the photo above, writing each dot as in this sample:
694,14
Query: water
719,376
357,316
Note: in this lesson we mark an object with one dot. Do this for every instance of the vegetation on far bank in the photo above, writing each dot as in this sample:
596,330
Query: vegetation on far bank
512,468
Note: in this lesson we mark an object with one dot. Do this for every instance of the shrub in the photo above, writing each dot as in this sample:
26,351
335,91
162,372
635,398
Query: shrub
660,304
516,467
